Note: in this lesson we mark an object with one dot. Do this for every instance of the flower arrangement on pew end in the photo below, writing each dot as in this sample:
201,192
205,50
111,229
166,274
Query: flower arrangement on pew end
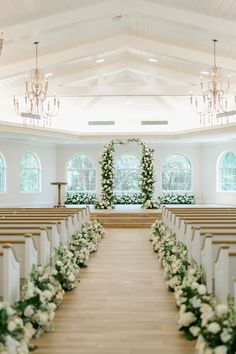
43,291
200,316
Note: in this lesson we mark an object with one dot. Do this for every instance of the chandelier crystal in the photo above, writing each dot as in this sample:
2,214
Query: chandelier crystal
1,42
215,103
38,107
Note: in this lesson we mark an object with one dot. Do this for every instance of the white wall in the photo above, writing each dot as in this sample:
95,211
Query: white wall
54,159
210,155
12,152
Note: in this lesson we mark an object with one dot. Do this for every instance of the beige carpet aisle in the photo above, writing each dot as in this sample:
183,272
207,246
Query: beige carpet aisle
121,305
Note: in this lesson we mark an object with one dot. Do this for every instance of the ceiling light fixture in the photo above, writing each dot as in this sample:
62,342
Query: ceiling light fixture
38,107
100,60
152,60
213,99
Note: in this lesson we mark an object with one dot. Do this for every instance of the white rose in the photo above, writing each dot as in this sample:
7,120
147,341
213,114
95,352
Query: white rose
221,309
196,302
205,308
11,326
194,285
214,327
43,317
47,294
201,289
225,337
28,311
195,330
29,330
71,277
52,306
221,349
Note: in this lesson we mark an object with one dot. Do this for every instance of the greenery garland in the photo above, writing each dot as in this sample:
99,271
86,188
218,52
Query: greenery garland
147,180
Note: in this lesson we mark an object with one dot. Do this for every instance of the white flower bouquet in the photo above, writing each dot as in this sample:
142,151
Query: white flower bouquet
66,268
14,334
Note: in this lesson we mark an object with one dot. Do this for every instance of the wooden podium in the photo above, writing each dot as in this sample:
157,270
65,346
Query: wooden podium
59,184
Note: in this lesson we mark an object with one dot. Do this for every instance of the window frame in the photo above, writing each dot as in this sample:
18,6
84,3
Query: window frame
39,169
66,174
218,173
179,191
4,173
137,191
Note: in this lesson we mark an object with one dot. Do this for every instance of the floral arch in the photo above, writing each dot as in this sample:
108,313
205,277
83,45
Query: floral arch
107,174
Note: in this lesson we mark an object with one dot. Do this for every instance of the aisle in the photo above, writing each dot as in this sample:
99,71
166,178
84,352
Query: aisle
121,305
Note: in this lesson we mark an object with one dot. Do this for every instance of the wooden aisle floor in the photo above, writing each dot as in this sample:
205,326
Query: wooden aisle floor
121,305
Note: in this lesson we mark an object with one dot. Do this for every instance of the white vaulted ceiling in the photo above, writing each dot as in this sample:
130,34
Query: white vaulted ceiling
126,87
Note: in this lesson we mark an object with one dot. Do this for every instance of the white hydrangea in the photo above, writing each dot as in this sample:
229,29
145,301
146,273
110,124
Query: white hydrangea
214,327
201,289
225,336
28,311
11,326
221,349
221,309
186,319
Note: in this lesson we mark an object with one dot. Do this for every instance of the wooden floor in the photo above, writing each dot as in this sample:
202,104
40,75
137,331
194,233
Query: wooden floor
121,305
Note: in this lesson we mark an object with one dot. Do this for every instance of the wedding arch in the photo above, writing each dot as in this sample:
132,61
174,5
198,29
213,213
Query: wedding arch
147,180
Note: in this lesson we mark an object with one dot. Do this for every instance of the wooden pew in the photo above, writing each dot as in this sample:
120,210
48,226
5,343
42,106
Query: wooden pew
9,275
225,271
25,251
41,241
209,251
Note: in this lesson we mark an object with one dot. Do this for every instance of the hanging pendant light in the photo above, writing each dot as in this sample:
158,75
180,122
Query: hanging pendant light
213,105
39,109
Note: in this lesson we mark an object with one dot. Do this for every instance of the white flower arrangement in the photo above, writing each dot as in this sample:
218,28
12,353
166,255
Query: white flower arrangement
173,198
151,204
200,316
107,198
14,334
41,294
66,268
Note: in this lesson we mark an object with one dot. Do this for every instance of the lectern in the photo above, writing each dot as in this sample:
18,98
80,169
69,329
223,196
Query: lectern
59,184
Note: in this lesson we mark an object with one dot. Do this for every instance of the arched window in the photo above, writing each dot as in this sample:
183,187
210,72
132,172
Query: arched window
81,174
227,172
30,173
176,173
2,174
127,174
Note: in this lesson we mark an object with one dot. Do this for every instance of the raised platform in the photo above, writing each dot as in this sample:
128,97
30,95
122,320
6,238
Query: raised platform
131,218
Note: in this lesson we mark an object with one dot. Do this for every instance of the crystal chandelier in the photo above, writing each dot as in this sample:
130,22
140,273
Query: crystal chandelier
38,108
1,42
213,103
